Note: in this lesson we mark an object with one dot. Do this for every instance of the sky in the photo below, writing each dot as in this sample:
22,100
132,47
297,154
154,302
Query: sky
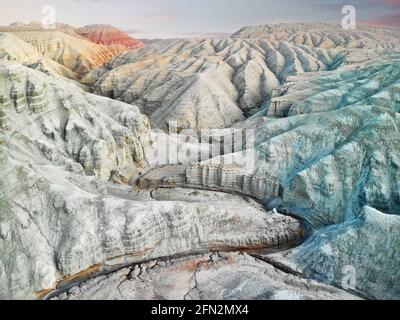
188,18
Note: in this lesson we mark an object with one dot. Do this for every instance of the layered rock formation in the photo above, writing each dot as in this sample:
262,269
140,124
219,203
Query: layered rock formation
328,152
60,220
91,204
69,122
76,54
53,125
64,45
205,83
108,35
358,126
361,253
13,48
324,35
87,229
375,83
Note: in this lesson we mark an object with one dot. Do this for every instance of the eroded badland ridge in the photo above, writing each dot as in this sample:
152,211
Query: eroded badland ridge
90,208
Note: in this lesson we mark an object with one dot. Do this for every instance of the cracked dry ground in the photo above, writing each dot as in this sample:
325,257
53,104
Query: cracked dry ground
218,275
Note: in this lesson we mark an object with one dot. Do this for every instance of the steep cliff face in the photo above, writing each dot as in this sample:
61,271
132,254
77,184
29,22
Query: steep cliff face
54,134
69,123
109,36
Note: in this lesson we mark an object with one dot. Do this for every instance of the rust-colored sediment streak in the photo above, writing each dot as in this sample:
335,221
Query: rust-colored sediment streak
108,36
42,293
82,274
188,266
71,278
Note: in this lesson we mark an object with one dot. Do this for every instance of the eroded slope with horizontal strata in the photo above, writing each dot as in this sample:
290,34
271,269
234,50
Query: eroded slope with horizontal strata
108,35
322,164
64,45
82,193
67,210
205,83
325,35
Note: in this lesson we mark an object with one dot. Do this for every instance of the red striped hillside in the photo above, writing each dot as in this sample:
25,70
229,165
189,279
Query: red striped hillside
108,35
